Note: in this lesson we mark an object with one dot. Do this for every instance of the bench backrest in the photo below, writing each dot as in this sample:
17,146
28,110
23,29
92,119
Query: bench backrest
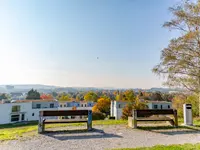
149,112
65,112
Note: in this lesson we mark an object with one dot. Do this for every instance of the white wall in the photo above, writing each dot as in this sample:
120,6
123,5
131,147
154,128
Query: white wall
6,110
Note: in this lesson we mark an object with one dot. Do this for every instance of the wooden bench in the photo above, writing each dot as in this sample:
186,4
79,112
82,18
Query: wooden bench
146,115
57,113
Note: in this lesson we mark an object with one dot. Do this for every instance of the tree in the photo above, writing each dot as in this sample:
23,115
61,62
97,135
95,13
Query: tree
54,94
136,104
103,105
119,96
91,96
46,96
78,98
178,102
180,61
129,95
156,96
33,95
127,111
3,96
95,109
64,97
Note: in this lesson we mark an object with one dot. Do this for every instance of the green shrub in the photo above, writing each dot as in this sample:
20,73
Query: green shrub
98,116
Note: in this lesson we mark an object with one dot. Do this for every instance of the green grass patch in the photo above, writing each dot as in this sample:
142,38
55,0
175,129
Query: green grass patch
169,147
15,131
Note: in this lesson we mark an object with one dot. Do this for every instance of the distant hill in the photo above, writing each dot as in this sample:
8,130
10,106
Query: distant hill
50,88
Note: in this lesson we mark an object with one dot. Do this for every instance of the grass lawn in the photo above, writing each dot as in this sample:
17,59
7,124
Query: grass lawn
15,131
170,147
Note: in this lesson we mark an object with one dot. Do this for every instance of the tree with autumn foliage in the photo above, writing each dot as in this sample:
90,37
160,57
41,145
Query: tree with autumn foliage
64,97
180,60
46,96
135,104
127,111
95,108
102,105
91,96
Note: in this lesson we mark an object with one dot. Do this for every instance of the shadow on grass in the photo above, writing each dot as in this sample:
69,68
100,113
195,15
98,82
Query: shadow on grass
20,124
79,134
170,130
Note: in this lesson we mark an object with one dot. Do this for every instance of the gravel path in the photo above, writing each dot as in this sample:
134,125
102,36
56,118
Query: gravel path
103,137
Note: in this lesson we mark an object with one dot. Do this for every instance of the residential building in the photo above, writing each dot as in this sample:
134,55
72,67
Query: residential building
24,110
69,105
116,107
28,110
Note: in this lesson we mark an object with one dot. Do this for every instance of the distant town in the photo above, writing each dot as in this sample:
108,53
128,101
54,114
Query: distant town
23,102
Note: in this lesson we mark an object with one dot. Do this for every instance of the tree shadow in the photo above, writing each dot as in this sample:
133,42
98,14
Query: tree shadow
63,135
170,130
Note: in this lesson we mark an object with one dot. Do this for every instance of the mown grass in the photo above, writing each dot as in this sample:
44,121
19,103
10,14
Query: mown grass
15,131
169,147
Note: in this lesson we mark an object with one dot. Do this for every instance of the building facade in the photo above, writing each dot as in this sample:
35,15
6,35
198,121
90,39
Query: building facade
24,110
28,110
116,107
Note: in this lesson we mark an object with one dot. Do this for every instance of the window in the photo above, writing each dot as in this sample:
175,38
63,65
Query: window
14,118
22,117
160,106
16,108
64,105
51,105
38,105
119,106
60,105
168,106
78,104
85,105
33,114
155,106
81,105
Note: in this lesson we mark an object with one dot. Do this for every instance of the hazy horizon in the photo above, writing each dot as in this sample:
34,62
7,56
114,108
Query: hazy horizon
88,43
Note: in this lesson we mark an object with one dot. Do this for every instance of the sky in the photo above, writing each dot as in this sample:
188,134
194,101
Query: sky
83,43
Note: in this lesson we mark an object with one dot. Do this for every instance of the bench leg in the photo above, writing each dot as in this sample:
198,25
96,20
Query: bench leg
41,125
89,123
175,118
172,122
134,119
41,128
134,123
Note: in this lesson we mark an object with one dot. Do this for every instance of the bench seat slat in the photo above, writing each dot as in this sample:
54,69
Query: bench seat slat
65,121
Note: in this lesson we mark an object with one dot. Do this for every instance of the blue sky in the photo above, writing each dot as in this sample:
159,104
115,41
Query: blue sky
57,42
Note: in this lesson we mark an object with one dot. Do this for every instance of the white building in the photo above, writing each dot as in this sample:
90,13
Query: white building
28,110
116,107
24,110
